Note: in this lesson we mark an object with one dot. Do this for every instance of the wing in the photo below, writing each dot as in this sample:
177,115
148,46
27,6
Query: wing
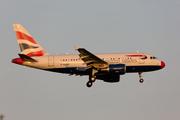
91,60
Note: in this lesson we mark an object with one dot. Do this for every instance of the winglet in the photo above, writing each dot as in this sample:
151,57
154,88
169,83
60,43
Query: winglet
76,48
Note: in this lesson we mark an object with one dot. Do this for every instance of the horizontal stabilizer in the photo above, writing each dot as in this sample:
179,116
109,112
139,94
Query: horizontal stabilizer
26,58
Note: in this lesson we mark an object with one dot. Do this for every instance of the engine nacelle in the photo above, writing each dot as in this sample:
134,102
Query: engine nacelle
118,69
109,78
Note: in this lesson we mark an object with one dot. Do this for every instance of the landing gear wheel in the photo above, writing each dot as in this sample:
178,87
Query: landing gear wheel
140,75
141,80
89,84
92,78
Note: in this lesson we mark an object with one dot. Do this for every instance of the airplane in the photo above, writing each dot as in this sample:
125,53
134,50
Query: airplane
106,67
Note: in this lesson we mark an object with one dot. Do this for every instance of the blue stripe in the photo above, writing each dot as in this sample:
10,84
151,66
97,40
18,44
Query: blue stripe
82,71
72,70
142,68
24,46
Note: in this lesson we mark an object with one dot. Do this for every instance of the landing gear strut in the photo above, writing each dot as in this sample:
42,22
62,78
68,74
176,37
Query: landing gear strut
91,78
140,75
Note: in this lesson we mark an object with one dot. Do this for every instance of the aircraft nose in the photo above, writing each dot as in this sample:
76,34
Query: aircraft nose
162,64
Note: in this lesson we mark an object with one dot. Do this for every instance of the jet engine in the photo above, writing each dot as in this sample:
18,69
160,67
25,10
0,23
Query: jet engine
118,69
109,78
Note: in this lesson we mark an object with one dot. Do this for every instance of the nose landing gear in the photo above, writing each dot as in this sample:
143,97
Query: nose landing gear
140,75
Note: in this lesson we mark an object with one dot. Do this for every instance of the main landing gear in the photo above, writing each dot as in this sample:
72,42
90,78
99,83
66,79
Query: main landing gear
140,75
91,80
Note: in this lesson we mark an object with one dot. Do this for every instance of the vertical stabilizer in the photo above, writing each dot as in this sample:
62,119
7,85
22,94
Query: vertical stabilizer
27,44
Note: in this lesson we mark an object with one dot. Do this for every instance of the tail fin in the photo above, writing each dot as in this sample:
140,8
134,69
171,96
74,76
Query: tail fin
27,44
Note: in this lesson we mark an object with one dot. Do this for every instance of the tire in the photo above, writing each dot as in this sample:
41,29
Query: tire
141,80
92,78
89,84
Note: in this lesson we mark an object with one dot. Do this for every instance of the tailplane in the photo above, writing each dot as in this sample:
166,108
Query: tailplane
27,44
26,58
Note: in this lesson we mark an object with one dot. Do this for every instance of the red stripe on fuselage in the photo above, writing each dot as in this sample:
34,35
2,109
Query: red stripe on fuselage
136,55
22,36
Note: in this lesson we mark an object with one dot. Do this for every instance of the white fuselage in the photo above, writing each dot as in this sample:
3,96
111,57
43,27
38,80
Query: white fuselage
73,61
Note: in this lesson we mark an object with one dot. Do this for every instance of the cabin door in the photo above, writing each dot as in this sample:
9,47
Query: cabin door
50,61
141,59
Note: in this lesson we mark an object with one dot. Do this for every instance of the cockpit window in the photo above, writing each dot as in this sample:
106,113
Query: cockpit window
152,57
144,58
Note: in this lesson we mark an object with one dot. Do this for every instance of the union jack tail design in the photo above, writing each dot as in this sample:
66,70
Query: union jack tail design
27,44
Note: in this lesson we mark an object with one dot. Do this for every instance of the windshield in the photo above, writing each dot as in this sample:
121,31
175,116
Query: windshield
152,57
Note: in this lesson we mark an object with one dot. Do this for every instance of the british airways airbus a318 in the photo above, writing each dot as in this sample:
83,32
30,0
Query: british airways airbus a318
106,67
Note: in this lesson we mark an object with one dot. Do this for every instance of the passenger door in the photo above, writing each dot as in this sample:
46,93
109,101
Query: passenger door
141,61
51,61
